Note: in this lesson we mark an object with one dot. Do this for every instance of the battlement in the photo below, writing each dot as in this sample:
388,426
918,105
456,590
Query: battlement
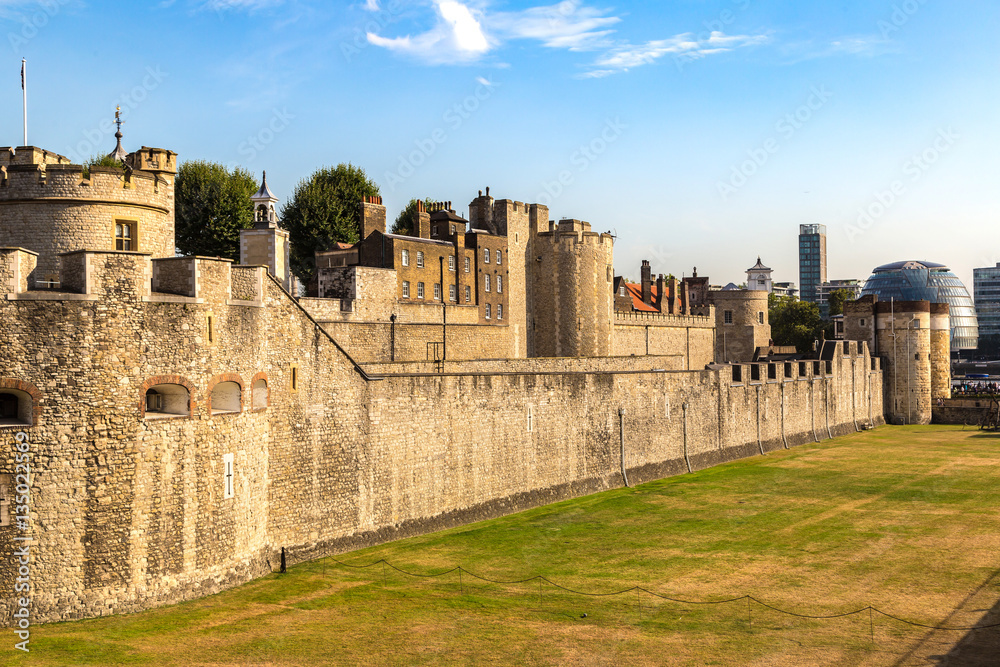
153,160
29,155
703,319
64,180
575,231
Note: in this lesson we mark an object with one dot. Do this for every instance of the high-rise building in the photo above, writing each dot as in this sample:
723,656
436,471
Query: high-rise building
812,260
986,292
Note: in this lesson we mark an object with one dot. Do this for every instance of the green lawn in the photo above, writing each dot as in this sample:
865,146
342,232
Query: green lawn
904,519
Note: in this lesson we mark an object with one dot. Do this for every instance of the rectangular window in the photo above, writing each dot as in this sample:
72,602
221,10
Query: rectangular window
453,230
468,294
466,264
499,284
487,311
5,498
452,293
420,259
499,262
727,317
451,262
760,317
125,236
404,257
295,377
406,289
230,485
486,255
499,311
437,291
486,282
434,230
621,290
420,290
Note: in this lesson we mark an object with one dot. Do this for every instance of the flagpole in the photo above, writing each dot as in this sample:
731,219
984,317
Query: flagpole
24,97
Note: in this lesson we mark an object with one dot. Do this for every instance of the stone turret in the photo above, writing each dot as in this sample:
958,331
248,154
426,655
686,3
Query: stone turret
267,244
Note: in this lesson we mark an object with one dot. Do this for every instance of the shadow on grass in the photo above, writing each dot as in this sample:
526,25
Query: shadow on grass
977,648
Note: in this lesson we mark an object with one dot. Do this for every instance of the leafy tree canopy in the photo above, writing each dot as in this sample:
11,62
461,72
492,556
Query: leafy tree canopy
325,209
404,221
212,205
794,322
837,299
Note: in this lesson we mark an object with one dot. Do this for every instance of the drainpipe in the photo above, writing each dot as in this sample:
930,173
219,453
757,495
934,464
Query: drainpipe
621,440
812,405
854,392
392,337
784,440
760,445
826,400
686,459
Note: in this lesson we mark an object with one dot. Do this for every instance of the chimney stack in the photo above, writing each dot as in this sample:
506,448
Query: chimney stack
647,283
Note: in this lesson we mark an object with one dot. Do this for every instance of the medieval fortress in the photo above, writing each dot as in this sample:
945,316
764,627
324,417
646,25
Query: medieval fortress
187,418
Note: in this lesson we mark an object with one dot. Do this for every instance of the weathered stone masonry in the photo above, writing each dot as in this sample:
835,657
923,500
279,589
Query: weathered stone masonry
130,511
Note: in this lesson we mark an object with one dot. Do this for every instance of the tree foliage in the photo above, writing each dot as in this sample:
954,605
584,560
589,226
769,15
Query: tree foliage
794,322
325,209
404,221
212,205
837,299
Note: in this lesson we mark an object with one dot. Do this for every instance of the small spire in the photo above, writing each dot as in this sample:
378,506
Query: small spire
118,153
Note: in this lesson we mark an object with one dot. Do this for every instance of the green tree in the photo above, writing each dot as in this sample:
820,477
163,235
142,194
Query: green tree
837,299
325,209
404,221
794,322
212,205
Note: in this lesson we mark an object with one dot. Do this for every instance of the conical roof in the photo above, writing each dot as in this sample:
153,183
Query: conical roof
264,194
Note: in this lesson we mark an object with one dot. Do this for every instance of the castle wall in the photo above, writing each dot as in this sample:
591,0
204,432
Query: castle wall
132,509
741,323
691,337
940,351
48,207
904,339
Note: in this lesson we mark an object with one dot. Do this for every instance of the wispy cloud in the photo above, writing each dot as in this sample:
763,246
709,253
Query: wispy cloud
566,25
457,37
237,5
627,56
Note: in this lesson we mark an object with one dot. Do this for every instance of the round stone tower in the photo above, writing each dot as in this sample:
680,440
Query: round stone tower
741,323
904,342
940,351
572,295
47,205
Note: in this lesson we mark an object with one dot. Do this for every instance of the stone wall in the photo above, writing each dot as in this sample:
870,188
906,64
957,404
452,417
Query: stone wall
134,508
643,333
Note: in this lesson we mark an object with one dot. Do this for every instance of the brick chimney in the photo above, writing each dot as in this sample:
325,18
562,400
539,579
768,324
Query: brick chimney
422,222
647,283
372,216
660,296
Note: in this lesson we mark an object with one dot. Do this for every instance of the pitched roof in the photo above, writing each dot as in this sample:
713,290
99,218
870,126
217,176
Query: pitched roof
758,266
264,194
635,291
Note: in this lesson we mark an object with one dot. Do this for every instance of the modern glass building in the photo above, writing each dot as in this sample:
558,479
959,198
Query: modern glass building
919,281
812,260
986,289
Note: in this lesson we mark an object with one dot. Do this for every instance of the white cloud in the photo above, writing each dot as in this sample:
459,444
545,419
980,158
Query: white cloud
457,37
686,46
371,5
566,25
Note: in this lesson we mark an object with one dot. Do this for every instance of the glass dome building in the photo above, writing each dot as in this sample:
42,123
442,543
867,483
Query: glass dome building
920,281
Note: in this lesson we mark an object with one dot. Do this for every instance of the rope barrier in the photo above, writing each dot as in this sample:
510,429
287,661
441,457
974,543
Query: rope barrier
639,589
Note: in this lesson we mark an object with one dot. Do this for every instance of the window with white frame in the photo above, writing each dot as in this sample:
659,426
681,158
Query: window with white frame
621,290
468,294
487,311
437,291
499,284
486,282
420,259
420,290
406,289
499,260
229,476
499,311
466,264
452,293
451,262
404,257
486,255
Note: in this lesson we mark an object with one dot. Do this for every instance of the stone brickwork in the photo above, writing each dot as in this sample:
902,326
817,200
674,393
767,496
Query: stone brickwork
741,324
693,337
135,508
46,205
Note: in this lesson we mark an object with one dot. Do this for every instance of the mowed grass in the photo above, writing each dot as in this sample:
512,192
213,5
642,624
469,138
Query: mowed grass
906,519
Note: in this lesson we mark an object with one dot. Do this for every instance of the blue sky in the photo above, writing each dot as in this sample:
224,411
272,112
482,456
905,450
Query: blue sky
701,132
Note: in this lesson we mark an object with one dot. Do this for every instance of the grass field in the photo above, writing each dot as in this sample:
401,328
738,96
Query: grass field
903,518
